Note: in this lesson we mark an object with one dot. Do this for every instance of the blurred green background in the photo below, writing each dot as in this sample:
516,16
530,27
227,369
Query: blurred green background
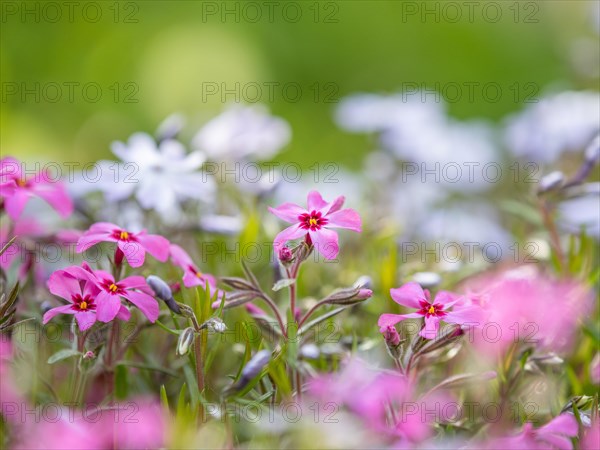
162,53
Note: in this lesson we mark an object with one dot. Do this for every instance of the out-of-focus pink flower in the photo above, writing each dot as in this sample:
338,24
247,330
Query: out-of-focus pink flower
134,289
591,437
369,395
554,435
595,369
133,245
135,424
23,229
315,222
412,295
17,188
11,398
192,276
523,305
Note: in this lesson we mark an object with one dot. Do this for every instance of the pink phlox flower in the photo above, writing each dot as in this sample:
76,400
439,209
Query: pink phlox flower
446,306
17,188
192,275
315,223
76,288
133,245
133,289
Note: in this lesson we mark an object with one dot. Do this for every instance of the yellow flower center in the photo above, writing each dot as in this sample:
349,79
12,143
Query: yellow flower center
83,305
199,274
312,222
21,183
113,287
431,310
124,235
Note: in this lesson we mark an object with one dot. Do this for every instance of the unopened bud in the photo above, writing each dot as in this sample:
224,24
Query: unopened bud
592,152
391,336
186,338
364,281
552,181
185,310
347,296
238,283
89,355
302,251
236,299
254,366
163,292
285,255
215,325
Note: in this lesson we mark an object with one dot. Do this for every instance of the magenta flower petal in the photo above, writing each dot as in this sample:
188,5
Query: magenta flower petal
409,295
108,306
63,285
344,218
124,314
465,315
146,303
66,309
432,325
180,256
56,196
289,234
316,202
136,282
156,245
564,424
14,205
389,320
85,319
288,212
89,240
325,242
134,252
337,204
446,298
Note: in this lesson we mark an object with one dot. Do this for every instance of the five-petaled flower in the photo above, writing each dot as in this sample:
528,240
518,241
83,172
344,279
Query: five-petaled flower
74,285
17,188
133,245
315,222
412,295
133,289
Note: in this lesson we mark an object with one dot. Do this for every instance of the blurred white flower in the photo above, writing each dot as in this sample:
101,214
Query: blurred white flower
243,132
582,212
556,124
160,176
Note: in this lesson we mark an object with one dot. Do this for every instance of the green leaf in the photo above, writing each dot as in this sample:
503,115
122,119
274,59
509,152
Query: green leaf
283,283
164,400
63,354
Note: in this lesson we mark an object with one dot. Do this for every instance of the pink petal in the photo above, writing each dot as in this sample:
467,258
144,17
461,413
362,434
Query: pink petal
288,212
124,314
134,252
446,298
14,204
316,202
103,227
136,282
345,218
409,295
472,315
180,257
66,309
564,424
432,325
107,306
289,234
56,195
389,320
191,280
337,204
145,303
559,442
156,245
325,242
85,319
90,239
64,285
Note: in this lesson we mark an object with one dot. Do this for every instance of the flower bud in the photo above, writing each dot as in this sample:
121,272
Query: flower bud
347,296
364,281
235,299
215,325
186,311
552,181
186,338
391,336
163,292
254,366
285,255
238,283
592,152
89,355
